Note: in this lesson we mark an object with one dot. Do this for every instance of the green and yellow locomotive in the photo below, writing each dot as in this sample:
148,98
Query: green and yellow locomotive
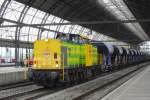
67,58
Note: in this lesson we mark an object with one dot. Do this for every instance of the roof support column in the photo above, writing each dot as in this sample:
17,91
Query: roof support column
3,8
17,34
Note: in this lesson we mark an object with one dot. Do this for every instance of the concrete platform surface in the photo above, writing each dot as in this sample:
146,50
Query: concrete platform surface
10,69
9,75
137,88
7,64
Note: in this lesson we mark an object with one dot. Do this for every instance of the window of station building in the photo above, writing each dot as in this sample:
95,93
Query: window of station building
7,55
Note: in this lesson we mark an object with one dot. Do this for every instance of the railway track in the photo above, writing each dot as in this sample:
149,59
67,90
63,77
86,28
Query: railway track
26,90
7,94
35,94
14,85
100,92
30,91
99,87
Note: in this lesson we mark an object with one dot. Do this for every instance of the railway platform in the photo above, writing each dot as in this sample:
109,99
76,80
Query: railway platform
137,88
9,75
7,64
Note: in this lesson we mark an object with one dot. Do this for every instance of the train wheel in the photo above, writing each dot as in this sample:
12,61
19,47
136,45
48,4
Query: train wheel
80,76
83,73
71,77
76,76
103,68
66,78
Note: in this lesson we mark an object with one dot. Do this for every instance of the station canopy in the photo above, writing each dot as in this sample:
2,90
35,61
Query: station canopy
26,12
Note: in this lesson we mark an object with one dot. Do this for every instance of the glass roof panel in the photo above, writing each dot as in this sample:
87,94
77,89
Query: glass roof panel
74,29
13,10
67,28
50,19
40,14
31,11
57,20
28,19
53,27
145,47
1,2
77,31
7,33
30,15
28,34
61,29
38,17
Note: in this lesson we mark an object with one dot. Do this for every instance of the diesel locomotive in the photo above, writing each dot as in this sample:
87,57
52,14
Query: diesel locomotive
71,58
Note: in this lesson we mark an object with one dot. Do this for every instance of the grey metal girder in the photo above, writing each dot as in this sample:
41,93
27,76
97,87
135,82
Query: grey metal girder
11,43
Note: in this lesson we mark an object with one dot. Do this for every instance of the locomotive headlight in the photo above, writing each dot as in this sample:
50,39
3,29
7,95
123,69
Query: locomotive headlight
46,40
34,65
57,65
